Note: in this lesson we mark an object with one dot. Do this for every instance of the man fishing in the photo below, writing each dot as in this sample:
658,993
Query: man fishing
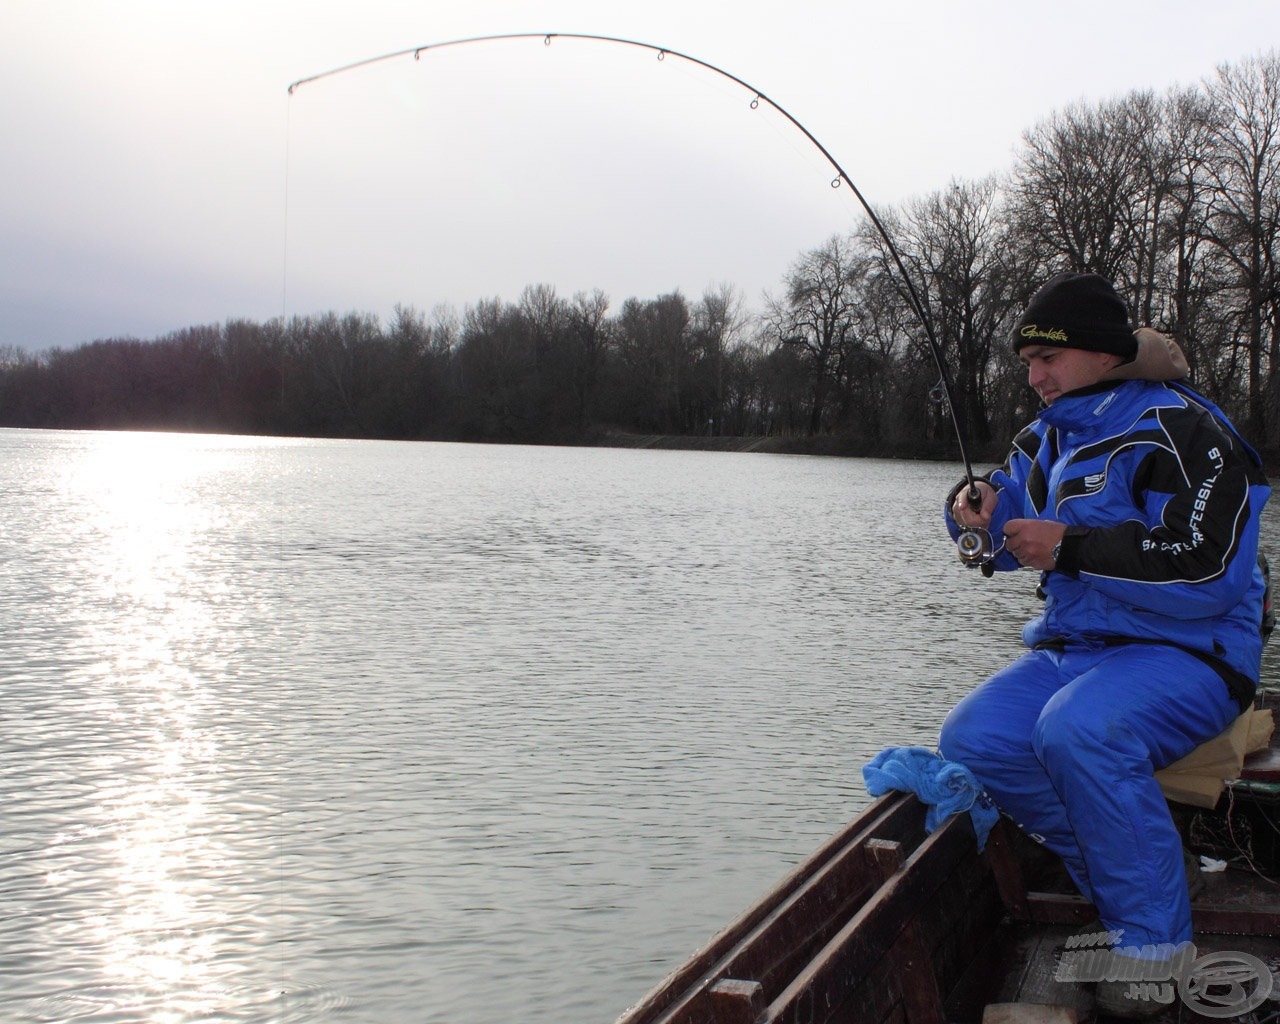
1139,503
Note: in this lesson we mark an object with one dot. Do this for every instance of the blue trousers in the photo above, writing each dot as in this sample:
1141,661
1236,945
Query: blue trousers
1067,744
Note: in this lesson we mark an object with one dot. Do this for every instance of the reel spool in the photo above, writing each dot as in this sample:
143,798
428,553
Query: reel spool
974,546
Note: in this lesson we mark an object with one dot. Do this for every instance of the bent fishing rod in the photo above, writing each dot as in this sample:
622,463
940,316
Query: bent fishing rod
971,542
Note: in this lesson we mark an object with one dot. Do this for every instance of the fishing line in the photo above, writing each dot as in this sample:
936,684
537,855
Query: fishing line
974,496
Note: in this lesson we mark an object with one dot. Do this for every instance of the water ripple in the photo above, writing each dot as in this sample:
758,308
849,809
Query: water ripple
308,731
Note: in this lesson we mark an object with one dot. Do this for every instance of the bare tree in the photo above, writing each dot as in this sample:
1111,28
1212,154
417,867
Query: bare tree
718,322
655,356
956,244
589,338
817,315
1244,220
1083,191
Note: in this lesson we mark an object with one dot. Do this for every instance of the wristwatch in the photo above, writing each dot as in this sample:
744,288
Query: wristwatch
1056,553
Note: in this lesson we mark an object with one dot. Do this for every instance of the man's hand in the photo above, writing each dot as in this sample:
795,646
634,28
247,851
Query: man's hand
966,517
1031,541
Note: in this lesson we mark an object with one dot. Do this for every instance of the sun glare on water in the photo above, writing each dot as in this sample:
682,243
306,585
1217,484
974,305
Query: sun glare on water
152,602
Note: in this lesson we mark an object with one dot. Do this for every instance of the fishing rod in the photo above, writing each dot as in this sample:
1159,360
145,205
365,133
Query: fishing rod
974,545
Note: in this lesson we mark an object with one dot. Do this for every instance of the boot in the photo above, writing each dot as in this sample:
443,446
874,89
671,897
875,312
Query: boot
1145,988
1129,1000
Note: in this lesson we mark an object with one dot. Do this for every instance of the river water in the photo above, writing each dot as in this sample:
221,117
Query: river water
311,731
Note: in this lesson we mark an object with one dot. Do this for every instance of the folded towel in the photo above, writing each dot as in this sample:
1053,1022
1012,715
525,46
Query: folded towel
945,786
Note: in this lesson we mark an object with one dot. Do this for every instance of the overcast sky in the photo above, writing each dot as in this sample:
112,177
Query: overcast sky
156,174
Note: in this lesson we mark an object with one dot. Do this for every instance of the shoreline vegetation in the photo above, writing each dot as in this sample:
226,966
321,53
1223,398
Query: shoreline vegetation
1173,197
684,442
817,446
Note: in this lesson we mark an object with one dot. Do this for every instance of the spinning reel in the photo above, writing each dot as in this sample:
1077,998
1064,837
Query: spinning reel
974,546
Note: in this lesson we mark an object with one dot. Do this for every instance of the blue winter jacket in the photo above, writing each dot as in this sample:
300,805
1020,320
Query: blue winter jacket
1162,499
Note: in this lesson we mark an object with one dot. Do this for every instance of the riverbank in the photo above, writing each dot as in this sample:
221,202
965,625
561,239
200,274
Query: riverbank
823,444
679,442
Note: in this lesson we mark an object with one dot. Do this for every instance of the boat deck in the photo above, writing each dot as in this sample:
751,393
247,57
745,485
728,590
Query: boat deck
1238,912
1024,959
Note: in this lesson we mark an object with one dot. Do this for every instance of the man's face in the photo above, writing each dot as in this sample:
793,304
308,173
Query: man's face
1053,371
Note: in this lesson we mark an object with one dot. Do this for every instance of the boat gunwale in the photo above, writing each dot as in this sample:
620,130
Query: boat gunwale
894,814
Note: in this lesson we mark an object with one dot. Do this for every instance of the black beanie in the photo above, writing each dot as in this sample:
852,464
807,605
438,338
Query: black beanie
1077,311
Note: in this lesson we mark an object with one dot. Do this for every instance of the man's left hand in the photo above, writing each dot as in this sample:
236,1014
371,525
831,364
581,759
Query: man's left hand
1031,541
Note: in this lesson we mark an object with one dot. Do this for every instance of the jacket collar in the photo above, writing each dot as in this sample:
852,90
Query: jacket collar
1097,405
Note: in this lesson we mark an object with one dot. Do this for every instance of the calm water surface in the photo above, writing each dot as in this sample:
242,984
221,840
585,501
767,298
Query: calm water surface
311,731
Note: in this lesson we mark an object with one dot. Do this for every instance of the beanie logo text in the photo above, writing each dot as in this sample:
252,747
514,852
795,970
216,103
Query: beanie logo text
1057,334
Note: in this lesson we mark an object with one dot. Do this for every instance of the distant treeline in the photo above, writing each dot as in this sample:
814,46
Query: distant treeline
1174,197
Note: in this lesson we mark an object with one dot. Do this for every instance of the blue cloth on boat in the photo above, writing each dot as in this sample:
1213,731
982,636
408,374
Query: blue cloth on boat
945,786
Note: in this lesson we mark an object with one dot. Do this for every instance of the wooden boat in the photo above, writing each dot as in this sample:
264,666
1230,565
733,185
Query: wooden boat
887,924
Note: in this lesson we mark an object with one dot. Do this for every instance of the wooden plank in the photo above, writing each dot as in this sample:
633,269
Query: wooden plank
1037,980
699,972
872,998
1207,918
986,979
1259,919
1262,766
1029,1013
875,928
1007,871
971,921
957,929
737,1002
770,931
912,961
1059,908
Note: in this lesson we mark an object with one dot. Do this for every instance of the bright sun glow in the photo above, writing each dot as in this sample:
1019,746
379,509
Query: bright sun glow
156,932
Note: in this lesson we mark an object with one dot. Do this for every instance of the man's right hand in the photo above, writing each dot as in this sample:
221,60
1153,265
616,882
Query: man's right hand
967,517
